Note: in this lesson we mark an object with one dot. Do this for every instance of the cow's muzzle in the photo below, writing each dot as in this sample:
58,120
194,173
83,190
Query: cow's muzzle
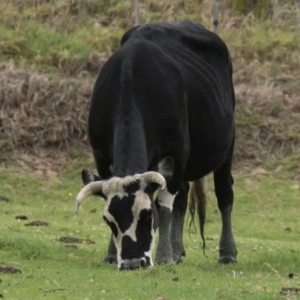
133,264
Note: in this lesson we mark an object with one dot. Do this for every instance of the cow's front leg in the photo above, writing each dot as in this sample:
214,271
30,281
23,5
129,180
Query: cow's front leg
178,213
164,253
111,256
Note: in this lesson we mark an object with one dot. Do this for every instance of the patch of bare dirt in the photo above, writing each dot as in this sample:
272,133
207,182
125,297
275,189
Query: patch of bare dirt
21,217
37,223
10,270
288,291
71,239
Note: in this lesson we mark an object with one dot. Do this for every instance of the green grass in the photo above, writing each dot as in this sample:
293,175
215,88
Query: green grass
59,36
266,228
54,37
68,39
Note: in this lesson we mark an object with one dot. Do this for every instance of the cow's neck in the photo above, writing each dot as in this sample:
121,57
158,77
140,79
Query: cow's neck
130,154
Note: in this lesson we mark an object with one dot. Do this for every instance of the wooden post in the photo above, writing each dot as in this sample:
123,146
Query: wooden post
216,16
137,12
297,3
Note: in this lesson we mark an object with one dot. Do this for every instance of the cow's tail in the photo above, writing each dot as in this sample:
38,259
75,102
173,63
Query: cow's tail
197,202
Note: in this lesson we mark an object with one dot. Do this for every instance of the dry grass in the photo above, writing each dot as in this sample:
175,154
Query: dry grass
268,130
38,111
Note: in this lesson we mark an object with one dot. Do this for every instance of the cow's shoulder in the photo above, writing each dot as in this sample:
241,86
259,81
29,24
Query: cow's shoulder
199,39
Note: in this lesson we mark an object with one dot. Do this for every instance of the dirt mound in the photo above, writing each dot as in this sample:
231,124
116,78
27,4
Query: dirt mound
37,223
10,270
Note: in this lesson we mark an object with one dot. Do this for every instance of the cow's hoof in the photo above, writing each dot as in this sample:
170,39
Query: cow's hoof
163,260
110,259
177,258
227,260
180,253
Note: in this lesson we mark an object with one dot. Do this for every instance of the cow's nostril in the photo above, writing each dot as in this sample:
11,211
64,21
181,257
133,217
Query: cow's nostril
130,264
143,263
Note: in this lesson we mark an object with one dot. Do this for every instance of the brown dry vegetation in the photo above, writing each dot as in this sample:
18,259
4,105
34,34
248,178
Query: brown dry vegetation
45,89
39,111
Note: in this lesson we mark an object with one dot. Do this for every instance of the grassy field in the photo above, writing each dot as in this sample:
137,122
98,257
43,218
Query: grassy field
266,227
50,52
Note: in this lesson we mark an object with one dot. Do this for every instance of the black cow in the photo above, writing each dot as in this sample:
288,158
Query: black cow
161,115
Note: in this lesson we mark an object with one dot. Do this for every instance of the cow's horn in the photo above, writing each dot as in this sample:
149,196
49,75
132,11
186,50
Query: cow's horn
155,177
89,189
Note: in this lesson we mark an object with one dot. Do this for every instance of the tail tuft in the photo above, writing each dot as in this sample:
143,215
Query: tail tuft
197,202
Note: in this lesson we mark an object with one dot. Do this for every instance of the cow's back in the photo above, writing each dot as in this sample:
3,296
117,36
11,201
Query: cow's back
182,85
140,86
205,67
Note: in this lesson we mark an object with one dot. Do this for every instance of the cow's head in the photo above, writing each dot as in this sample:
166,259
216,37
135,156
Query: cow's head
130,212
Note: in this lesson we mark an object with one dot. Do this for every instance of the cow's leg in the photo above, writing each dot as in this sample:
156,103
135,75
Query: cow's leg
223,188
177,222
111,256
172,238
104,172
164,253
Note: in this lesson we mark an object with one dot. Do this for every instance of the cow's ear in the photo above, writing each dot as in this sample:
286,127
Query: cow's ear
166,167
88,177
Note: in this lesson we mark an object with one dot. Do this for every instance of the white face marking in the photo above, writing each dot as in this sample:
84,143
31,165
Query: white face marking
115,187
149,253
166,199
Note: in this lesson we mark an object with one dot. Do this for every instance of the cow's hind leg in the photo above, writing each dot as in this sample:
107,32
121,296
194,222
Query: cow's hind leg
223,188
177,222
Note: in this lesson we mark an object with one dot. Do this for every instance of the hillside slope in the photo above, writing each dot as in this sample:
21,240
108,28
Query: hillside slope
51,52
